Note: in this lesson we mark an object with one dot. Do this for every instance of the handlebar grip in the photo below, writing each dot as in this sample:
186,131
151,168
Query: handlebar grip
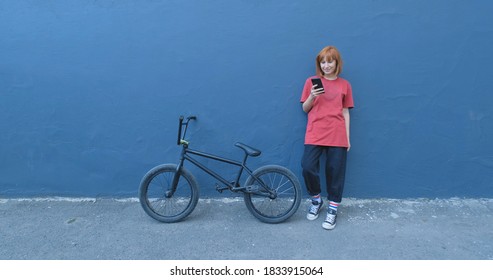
192,118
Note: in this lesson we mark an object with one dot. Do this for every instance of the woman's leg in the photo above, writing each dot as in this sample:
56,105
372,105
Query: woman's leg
335,172
310,164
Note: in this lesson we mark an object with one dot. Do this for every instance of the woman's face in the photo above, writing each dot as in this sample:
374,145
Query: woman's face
328,67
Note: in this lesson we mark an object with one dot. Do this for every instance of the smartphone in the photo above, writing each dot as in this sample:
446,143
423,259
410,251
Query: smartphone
317,82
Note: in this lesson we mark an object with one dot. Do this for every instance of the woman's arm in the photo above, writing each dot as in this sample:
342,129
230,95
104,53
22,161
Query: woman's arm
345,113
308,104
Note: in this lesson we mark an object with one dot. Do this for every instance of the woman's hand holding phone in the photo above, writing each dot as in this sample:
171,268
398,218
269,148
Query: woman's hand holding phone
317,91
317,87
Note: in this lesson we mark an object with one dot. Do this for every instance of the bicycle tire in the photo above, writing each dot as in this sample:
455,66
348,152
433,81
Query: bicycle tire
287,188
154,186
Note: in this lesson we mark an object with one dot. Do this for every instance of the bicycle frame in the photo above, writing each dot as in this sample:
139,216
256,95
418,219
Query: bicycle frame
232,186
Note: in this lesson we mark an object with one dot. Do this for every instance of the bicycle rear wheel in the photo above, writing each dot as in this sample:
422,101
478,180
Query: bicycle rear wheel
155,197
286,189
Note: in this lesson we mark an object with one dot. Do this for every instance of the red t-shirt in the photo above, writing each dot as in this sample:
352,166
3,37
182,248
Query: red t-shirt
326,125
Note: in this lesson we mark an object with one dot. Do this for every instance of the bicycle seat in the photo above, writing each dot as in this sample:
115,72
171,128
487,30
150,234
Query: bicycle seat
248,150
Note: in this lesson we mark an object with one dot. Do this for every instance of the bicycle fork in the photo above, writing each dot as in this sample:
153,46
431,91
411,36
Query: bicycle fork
176,177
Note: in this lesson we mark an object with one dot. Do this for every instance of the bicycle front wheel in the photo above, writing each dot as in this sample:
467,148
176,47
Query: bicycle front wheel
157,198
284,186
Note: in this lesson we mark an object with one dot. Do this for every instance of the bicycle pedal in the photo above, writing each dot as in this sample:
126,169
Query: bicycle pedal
252,188
220,189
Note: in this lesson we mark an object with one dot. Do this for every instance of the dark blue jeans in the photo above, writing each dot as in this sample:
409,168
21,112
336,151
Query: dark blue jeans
335,170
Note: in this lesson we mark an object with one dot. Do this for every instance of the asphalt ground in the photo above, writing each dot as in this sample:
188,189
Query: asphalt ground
223,229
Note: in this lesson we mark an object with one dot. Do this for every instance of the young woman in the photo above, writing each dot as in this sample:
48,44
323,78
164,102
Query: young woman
327,133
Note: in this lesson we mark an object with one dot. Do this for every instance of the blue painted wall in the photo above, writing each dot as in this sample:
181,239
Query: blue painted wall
90,91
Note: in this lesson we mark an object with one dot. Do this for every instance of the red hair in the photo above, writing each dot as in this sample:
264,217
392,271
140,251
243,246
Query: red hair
328,54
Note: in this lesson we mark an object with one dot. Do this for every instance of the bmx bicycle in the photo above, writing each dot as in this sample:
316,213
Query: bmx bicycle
169,192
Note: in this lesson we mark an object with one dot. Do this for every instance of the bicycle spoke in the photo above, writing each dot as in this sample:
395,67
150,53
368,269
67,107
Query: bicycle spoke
286,194
163,206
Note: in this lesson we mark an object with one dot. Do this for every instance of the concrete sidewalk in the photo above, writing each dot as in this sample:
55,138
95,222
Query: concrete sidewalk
62,228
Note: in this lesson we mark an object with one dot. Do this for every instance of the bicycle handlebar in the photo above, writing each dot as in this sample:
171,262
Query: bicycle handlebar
181,123
179,130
